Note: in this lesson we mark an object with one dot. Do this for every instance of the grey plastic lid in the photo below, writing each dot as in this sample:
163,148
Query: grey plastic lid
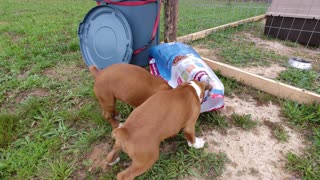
105,37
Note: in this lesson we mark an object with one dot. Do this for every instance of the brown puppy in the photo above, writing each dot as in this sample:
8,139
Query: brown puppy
159,117
128,83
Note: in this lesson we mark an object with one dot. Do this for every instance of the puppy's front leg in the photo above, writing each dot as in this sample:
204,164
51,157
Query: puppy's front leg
193,141
199,143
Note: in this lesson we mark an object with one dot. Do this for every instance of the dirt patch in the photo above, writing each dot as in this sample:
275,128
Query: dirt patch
208,53
271,45
98,156
22,75
281,49
36,93
51,73
254,154
39,93
64,72
271,72
3,23
14,37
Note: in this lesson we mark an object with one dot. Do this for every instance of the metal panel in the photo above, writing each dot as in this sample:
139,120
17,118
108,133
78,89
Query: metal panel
295,8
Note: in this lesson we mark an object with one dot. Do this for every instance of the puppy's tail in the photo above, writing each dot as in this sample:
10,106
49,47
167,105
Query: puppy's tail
93,70
120,134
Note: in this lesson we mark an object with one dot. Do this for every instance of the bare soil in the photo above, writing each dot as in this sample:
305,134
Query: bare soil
312,55
255,154
36,93
270,72
98,156
63,72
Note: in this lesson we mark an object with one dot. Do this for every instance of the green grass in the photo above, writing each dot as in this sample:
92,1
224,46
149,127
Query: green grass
301,115
280,133
48,136
306,118
307,165
212,120
199,15
230,85
309,80
187,162
244,121
49,117
44,136
8,124
61,169
177,160
232,47
277,130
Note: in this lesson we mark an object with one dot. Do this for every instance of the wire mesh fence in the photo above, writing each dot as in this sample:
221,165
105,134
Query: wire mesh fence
254,43
287,31
296,21
196,15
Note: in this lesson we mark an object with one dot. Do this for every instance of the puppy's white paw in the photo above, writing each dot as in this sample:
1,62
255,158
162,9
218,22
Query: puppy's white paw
120,124
118,117
198,144
114,162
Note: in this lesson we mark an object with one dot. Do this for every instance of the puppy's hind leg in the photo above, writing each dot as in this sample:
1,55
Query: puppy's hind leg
141,162
108,105
113,156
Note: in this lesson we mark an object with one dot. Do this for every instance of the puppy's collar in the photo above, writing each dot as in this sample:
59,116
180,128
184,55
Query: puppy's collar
197,88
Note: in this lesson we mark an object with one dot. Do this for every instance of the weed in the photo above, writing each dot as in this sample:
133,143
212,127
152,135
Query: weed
301,115
211,120
280,133
307,118
88,137
125,109
61,169
278,130
264,98
290,44
179,161
230,85
307,165
8,124
301,78
244,121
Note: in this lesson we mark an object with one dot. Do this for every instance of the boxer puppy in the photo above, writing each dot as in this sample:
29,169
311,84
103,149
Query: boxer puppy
129,83
161,116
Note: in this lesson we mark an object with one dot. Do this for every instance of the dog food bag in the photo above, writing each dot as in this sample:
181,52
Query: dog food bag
178,62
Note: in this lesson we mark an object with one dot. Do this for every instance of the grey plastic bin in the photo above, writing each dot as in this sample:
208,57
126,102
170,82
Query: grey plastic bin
112,48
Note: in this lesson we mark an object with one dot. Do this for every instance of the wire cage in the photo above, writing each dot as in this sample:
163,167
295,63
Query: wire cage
251,32
294,20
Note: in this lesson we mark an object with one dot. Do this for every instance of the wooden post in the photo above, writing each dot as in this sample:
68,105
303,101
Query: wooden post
170,22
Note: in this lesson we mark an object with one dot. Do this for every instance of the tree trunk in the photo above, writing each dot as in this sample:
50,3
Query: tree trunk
171,16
